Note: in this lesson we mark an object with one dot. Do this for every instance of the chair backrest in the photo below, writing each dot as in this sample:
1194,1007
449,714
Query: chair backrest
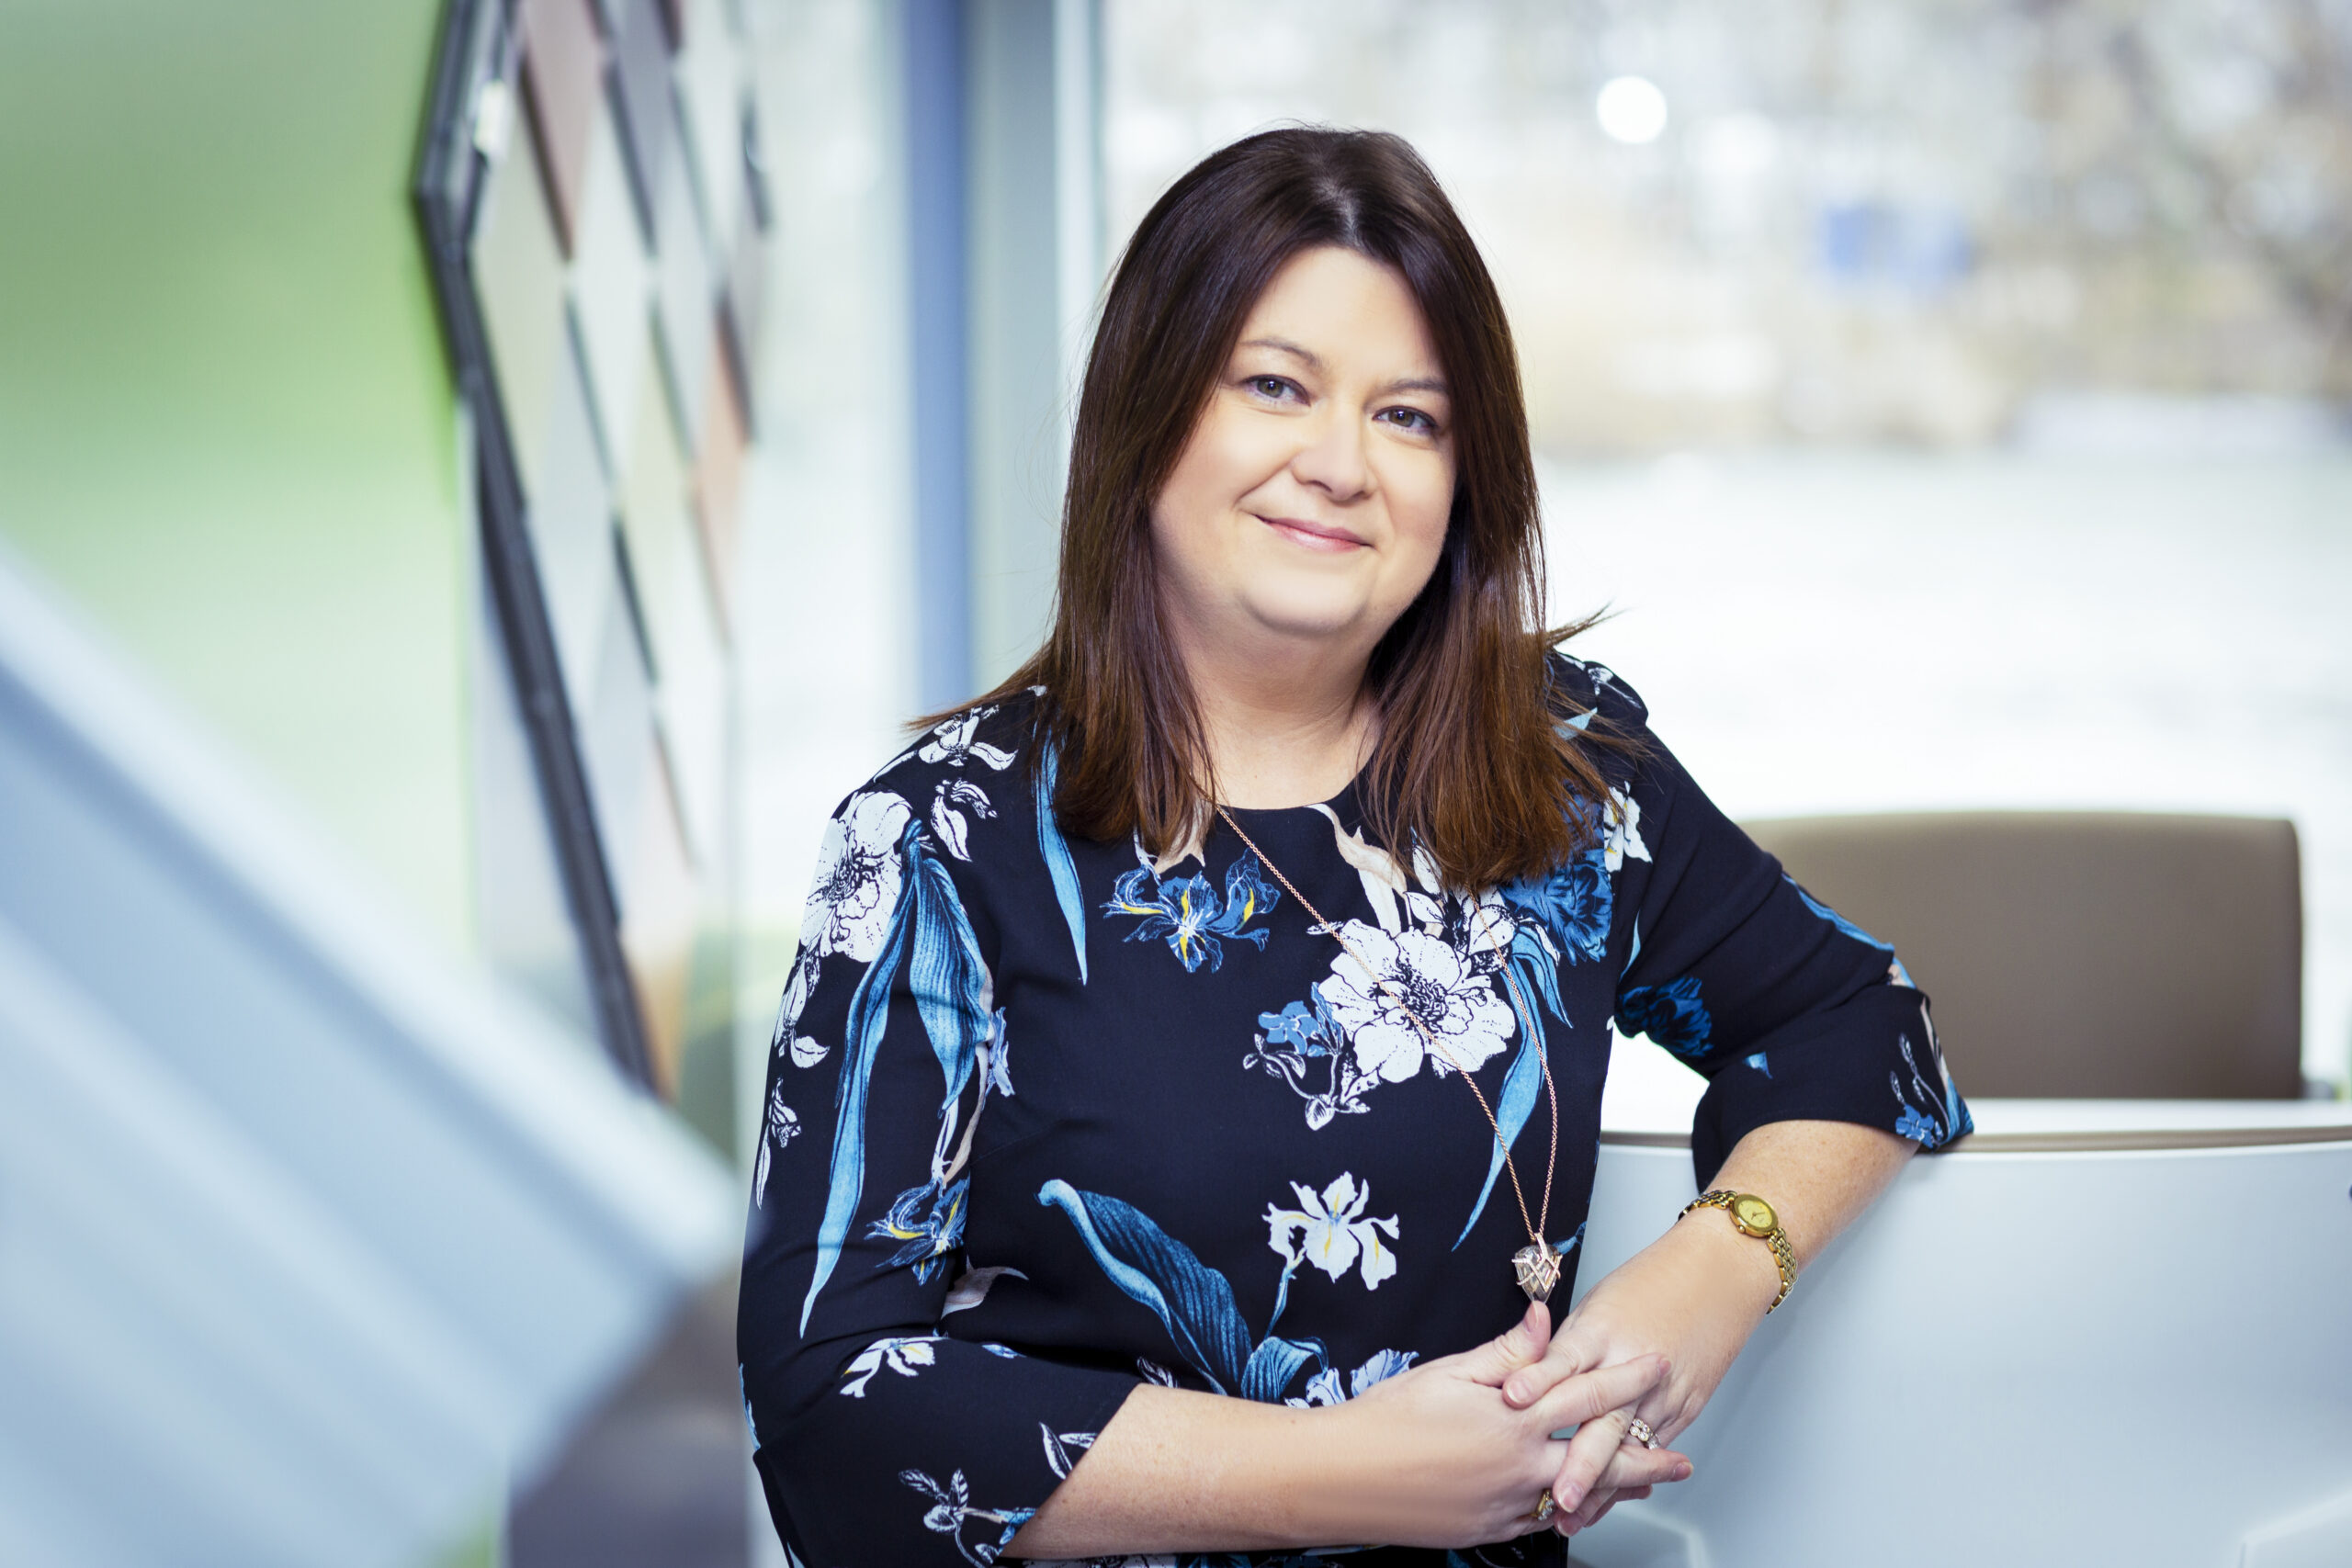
2081,954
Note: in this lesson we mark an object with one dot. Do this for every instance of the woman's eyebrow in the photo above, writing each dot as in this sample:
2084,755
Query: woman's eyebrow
1419,384
1314,361
1283,345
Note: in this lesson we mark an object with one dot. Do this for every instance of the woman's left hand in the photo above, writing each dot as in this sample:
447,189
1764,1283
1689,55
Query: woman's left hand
1694,1296
1696,1293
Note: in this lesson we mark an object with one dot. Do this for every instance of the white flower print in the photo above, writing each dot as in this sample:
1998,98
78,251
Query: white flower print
902,1355
1324,1387
1384,879
948,822
1061,1448
1413,970
1622,816
1328,1230
953,743
849,908
971,1287
788,1012
858,872
783,1126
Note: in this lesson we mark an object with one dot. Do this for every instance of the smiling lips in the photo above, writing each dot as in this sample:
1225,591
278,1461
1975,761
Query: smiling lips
1313,536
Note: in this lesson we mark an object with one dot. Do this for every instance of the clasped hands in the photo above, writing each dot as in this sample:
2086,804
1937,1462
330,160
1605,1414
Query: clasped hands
1654,1339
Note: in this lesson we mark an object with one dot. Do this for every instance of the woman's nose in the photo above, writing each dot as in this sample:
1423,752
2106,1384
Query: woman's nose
1336,458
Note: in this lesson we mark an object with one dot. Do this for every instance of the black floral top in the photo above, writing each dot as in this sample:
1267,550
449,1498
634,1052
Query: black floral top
1049,1116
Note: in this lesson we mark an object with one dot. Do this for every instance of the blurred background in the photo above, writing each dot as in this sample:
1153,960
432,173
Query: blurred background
1948,397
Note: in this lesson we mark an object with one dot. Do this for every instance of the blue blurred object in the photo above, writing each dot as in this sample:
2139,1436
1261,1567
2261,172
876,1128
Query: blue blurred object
1916,250
308,1239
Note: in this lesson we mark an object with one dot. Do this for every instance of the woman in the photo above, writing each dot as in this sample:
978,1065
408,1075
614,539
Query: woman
1195,1046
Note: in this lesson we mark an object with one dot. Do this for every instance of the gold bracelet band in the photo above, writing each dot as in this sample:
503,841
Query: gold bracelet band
1751,1215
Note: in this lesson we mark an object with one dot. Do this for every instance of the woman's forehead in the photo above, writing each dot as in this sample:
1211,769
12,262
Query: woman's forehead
1336,311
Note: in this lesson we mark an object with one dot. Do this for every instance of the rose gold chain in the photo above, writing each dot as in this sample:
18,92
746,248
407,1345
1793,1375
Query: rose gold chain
1428,1038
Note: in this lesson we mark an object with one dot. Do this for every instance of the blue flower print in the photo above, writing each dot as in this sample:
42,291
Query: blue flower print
1673,1014
1304,1033
1760,1065
1304,1029
1946,1115
1187,911
1570,904
1844,925
1193,1301
930,1219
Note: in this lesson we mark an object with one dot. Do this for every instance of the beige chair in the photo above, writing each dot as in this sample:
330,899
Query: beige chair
2081,954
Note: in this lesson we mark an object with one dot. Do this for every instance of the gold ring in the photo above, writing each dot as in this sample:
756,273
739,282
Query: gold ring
1544,1506
1640,1431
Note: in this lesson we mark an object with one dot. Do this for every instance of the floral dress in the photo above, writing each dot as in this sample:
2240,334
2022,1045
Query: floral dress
1048,1117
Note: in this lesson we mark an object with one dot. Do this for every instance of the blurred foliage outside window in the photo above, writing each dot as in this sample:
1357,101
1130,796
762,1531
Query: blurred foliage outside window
1934,223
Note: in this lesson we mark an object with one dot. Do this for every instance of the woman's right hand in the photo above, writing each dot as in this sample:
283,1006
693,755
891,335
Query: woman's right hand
1444,1461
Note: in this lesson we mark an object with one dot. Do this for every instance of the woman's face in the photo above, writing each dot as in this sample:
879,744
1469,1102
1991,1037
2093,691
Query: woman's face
1311,503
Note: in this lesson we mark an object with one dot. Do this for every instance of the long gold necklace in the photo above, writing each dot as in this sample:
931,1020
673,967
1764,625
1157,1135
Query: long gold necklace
1536,1265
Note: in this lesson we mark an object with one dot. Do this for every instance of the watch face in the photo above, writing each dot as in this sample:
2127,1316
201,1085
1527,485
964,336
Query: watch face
1754,1215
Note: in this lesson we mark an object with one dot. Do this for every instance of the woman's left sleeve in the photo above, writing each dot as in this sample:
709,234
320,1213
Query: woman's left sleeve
1793,1012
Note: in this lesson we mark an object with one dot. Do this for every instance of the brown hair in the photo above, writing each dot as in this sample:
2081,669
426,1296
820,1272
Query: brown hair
1469,761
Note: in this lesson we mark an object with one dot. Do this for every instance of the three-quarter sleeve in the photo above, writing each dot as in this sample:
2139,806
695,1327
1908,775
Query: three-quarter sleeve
879,1436
1792,1011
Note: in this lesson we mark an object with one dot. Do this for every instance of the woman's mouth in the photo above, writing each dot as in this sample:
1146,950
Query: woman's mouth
1307,535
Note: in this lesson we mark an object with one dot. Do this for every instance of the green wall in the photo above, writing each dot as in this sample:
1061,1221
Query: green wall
226,424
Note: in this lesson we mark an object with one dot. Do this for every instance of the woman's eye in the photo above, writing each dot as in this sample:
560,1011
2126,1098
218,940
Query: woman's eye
1413,420
1269,385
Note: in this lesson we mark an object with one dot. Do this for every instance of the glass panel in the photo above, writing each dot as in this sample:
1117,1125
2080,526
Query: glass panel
608,285
684,291
746,305
653,518
658,927
563,68
615,730
710,93
523,916
570,519
641,81
518,278
719,482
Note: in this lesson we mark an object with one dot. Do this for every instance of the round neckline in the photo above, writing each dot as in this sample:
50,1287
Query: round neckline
1341,805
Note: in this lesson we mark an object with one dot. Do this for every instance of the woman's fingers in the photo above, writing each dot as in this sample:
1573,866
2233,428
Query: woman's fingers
1600,1465
1577,1399
1523,1343
1565,1356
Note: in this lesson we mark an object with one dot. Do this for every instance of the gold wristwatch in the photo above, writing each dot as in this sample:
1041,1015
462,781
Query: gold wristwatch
1753,1216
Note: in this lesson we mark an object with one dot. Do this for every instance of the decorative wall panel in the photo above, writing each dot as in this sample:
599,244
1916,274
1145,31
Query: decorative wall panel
591,194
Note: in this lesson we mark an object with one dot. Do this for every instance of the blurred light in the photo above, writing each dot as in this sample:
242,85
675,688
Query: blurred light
1630,108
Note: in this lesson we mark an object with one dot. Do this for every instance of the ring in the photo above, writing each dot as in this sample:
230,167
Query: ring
1642,1433
1544,1506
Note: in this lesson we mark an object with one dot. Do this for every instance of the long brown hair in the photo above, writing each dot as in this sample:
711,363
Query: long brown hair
1469,760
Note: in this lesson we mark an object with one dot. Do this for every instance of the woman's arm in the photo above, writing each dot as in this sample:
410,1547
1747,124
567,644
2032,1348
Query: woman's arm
1698,1291
1823,1068
1431,1457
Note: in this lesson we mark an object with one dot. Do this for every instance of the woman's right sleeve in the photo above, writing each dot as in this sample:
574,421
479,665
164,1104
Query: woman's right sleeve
877,1438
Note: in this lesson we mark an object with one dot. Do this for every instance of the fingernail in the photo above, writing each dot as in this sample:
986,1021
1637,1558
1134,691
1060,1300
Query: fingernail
1515,1391
1683,1472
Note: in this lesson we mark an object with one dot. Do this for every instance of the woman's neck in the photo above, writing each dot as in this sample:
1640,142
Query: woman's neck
1286,730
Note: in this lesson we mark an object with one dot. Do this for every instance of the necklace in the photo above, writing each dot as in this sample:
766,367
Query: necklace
1536,1265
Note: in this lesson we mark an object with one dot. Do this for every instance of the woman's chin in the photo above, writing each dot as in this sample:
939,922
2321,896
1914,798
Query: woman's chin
1310,621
